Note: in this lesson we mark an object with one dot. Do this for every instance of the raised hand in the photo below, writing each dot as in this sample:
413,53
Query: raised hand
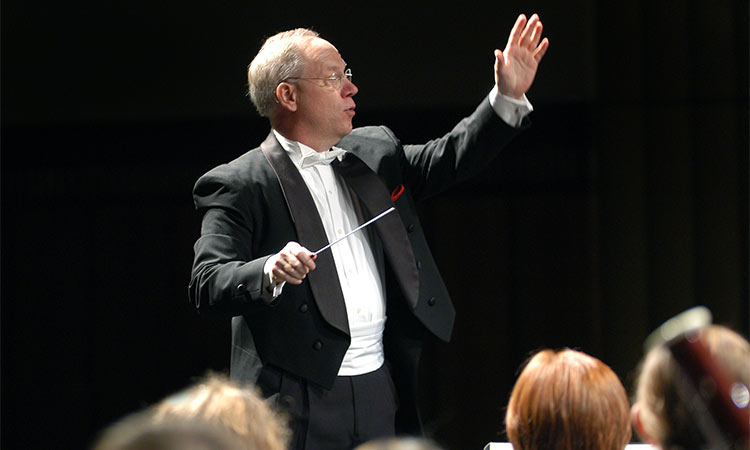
515,67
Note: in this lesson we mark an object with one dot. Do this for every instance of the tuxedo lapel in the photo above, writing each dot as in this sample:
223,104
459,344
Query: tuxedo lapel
324,281
376,198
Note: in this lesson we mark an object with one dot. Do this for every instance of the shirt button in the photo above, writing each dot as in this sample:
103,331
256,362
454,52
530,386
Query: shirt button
303,307
431,301
340,231
317,345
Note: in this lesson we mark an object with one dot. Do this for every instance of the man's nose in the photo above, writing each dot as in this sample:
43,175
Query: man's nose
349,89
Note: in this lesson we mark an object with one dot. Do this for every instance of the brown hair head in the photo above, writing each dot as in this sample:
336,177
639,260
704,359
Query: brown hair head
567,400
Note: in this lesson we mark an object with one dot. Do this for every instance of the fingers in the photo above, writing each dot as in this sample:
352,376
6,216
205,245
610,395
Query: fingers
536,34
541,50
525,37
526,34
499,58
292,263
515,33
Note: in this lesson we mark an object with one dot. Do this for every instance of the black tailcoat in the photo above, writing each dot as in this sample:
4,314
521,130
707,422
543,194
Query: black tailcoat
246,219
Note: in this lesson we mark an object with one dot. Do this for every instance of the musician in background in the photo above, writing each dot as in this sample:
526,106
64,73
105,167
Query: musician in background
660,414
567,400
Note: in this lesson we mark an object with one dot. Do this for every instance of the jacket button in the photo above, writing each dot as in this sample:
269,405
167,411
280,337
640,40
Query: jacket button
410,228
303,307
419,264
241,288
317,345
431,301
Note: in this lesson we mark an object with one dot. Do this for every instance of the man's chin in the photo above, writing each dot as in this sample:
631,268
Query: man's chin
347,130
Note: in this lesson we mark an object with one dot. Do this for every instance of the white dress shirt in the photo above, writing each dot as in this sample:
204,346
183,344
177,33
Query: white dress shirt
341,212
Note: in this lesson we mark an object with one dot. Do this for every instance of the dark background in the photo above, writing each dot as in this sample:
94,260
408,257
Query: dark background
623,205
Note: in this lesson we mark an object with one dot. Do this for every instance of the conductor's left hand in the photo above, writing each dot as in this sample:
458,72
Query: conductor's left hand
515,67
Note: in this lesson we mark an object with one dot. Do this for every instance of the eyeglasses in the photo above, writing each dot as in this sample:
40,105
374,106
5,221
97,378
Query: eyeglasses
335,80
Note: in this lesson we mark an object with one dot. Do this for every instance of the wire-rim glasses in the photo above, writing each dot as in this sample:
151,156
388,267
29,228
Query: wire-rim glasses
335,80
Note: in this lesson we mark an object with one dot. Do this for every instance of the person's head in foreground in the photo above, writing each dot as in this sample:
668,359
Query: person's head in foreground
138,432
240,409
660,414
567,400
400,443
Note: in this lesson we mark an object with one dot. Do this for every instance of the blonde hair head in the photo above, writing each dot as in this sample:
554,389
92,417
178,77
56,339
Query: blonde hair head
663,415
238,408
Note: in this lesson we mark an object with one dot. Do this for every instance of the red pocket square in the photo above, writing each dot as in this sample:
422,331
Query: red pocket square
397,192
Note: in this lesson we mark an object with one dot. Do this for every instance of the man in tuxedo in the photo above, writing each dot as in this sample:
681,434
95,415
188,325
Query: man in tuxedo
334,337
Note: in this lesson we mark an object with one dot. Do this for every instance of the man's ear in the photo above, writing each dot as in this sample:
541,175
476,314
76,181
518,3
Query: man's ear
286,95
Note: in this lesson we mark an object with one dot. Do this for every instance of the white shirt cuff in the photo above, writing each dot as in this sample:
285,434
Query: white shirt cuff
511,110
270,287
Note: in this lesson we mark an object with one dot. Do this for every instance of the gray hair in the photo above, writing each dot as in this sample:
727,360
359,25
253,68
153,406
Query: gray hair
280,57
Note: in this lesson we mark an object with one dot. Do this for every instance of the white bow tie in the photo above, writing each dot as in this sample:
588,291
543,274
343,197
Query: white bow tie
323,158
